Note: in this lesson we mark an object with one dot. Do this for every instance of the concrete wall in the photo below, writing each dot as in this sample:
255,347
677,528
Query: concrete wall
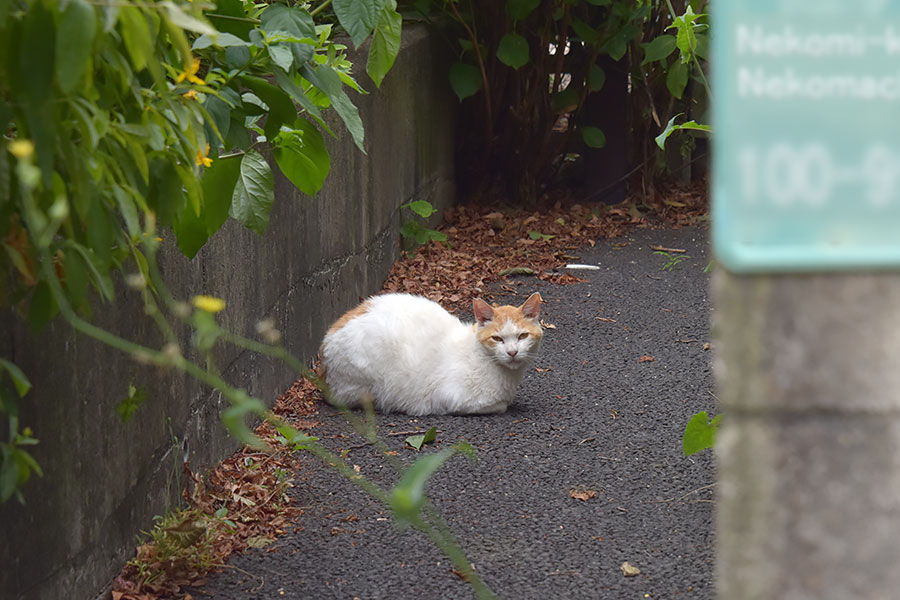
809,450
105,480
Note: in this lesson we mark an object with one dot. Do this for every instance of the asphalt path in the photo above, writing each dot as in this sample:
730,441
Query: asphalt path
594,414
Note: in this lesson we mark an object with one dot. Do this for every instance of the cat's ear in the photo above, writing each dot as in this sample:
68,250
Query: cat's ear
483,312
532,307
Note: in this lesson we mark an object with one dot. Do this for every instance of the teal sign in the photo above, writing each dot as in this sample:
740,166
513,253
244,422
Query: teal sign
806,134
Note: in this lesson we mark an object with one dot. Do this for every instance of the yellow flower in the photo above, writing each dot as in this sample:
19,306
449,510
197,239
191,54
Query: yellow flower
209,304
202,159
190,73
21,148
191,95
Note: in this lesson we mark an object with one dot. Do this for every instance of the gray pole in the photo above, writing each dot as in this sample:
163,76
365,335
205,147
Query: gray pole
808,372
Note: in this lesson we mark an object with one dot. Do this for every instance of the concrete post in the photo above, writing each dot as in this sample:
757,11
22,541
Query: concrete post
808,371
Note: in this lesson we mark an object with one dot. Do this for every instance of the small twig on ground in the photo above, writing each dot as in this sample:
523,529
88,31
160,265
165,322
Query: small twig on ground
699,489
664,249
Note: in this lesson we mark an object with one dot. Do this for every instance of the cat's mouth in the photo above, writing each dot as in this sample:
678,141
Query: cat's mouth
515,362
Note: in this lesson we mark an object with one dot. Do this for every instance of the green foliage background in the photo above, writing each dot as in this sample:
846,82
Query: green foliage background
121,119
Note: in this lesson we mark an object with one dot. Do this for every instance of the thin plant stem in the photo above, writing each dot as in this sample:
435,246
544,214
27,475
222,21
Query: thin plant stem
319,8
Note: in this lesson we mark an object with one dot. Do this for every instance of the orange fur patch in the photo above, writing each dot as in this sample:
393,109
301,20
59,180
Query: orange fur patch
345,318
502,314
349,316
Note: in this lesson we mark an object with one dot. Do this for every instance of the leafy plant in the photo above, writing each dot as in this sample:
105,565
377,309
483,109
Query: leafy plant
700,433
673,259
537,235
120,119
16,464
417,441
547,65
414,232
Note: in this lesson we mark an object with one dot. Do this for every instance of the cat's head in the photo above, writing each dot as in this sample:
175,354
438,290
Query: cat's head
511,335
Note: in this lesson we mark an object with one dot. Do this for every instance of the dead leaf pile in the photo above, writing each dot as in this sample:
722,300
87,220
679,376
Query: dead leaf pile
250,486
486,245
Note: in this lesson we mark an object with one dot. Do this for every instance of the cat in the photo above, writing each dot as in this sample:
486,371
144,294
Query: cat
407,354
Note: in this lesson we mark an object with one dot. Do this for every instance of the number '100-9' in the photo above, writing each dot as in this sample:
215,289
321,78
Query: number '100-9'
789,175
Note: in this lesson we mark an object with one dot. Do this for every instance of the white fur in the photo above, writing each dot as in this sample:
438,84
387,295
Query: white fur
412,356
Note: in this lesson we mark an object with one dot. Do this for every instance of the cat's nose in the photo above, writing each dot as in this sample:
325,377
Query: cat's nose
512,353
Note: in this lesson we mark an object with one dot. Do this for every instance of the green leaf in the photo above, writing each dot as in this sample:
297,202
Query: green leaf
702,47
357,17
685,37
385,43
596,78
413,230
585,31
221,40
293,437
37,53
136,35
616,47
519,9
99,275
295,21
286,83
700,433
75,42
566,100
417,441
513,50
100,233
465,80
408,495
20,381
537,235
183,20
190,231
677,79
593,137
218,182
230,8
76,277
234,417
281,55
281,109
129,405
330,83
302,157
9,476
658,49
423,208
42,307
671,128
254,193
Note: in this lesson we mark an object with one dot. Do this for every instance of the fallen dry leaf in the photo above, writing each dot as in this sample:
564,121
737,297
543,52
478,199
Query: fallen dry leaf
629,570
646,358
583,495
539,370
706,346
259,541
547,325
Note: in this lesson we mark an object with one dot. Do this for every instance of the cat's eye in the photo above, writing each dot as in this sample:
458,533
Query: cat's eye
522,336
497,339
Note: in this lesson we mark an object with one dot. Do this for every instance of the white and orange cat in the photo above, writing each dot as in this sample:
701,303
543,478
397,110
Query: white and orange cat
412,356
